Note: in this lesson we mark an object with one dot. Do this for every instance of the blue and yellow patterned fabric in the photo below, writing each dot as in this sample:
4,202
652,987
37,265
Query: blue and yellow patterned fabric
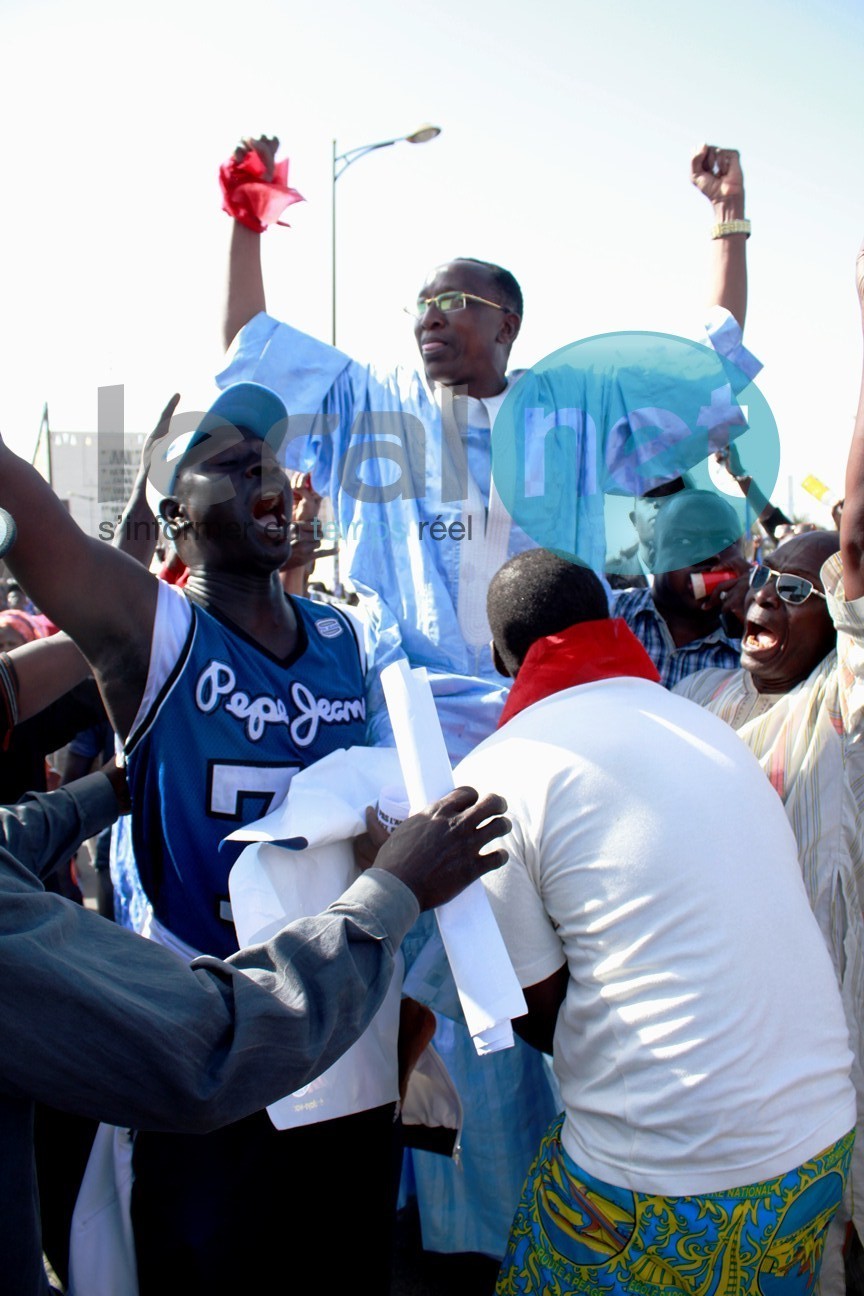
575,1234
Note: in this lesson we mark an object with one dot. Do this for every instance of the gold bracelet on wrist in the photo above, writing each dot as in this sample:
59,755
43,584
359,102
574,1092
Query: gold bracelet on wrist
724,228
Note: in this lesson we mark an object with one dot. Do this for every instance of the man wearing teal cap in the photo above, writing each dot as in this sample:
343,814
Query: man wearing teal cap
678,620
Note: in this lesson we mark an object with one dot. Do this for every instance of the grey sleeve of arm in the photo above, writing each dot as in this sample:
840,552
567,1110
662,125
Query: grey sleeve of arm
150,1042
45,827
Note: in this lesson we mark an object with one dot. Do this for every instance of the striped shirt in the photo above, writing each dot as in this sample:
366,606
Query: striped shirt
810,742
674,664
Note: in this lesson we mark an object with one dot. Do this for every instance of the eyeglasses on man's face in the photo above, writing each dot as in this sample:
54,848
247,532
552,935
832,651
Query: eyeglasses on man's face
448,303
790,588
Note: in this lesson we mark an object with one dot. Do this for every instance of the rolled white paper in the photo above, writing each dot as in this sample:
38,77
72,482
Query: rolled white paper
489,990
419,741
271,885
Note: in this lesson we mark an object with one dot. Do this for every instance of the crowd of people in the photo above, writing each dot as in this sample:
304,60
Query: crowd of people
701,1005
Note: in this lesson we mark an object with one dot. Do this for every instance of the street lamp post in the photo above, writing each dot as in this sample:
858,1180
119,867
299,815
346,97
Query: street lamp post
341,163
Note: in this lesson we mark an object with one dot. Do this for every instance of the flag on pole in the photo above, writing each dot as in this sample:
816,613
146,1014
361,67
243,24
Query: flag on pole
820,491
42,453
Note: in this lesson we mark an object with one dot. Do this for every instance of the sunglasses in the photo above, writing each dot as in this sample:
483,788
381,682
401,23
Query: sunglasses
791,589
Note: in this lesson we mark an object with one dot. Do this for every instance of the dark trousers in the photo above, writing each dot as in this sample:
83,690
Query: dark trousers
62,1146
253,1209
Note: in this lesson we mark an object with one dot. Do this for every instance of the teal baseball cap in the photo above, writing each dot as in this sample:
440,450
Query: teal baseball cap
243,409
691,527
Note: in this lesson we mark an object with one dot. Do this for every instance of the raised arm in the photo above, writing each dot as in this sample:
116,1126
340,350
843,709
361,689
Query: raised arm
244,296
104,600
852,521
769,515
716,172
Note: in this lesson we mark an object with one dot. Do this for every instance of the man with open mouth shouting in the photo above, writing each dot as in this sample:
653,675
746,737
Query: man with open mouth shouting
797,700
220,693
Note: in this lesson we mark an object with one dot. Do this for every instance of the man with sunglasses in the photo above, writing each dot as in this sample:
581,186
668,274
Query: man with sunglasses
797,700
421,561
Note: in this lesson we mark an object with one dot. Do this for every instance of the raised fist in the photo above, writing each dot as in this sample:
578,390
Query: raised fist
717,172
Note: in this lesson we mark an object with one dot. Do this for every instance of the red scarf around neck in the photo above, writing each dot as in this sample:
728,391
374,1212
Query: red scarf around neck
582,654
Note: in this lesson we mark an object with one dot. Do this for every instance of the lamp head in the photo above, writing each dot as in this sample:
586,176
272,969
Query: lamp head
423,134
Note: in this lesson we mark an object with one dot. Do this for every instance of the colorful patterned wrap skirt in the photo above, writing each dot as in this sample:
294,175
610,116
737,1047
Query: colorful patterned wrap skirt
575,1234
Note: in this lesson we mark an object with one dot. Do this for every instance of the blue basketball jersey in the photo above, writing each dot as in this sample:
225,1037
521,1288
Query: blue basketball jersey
218,747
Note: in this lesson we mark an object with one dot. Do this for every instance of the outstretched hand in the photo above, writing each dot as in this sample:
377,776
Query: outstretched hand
135,533
437,853
305,535
717,173
160,430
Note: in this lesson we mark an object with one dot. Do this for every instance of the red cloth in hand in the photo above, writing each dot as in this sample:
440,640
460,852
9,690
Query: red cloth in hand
249,197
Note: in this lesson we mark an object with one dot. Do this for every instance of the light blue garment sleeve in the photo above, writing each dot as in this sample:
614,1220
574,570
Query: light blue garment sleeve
723,333
272,354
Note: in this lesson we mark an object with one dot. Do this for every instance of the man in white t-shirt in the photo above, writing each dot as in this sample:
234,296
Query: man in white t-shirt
700,1045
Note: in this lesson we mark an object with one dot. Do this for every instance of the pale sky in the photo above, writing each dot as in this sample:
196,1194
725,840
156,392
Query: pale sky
567,130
